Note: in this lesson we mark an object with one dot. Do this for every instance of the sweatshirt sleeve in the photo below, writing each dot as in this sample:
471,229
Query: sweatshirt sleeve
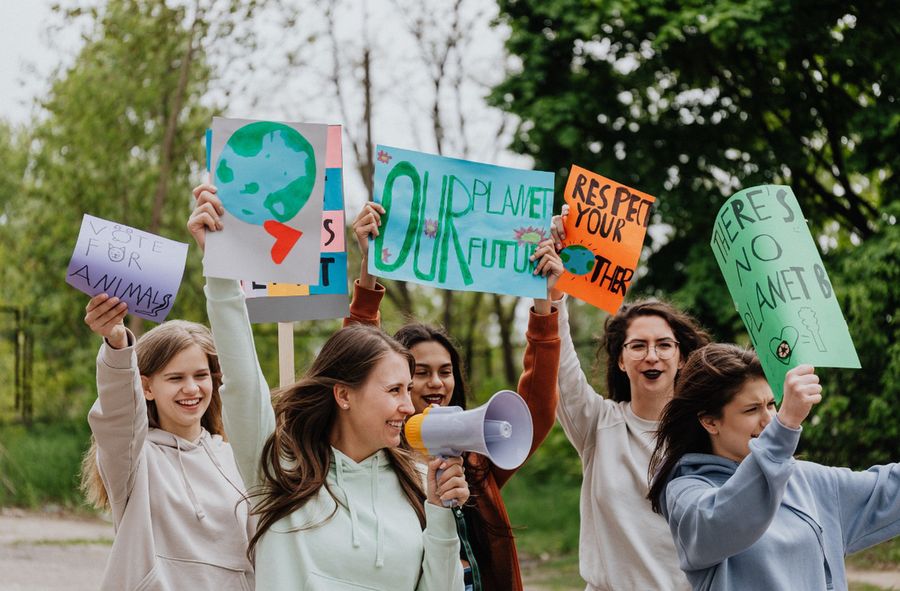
710,523
364,305
869,505
579,404
118,420
441,568
248,415
537,385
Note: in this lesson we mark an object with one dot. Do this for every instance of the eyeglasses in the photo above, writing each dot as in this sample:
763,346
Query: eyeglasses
638,350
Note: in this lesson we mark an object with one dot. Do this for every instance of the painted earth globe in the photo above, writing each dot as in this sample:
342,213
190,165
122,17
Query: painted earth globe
266,171
577,259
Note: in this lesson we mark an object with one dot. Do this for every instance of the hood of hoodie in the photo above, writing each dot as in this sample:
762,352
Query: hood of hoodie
715,469
206,444
348,476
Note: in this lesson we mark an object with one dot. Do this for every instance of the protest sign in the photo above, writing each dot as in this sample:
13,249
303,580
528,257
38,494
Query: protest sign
605,232
459,225
141,269
283,302
778,283
270,177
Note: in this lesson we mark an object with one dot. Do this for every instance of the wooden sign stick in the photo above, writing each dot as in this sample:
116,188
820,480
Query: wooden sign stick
286,375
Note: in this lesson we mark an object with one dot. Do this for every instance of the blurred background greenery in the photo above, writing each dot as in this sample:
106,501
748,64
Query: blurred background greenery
688,101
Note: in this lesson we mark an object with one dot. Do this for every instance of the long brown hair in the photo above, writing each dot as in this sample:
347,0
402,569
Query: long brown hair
688,333
709,380
476,467
297,456
154,351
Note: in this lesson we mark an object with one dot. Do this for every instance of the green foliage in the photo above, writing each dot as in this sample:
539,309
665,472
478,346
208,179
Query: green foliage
39,465
858,421
692,101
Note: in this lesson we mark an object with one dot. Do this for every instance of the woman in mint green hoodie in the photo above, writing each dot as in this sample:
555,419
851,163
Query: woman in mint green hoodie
341,506
743,512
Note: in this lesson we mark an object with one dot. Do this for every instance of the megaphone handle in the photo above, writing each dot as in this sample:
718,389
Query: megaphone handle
437,478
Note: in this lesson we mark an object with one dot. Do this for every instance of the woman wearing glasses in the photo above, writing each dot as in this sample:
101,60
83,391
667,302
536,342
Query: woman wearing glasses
623,543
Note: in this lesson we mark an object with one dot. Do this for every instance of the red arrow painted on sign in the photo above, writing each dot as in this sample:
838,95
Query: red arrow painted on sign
285,239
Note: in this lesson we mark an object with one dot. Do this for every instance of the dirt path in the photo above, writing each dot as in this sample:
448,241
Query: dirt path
54,552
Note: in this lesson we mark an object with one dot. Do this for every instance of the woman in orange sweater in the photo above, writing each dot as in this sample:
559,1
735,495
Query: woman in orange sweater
439,379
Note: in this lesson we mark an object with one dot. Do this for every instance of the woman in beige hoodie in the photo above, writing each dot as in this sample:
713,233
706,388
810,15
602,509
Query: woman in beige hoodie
159,462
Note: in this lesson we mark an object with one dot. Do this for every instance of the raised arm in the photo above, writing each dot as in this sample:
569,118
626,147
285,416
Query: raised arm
118,418
537,384
869,504
710,523
246,399
367,293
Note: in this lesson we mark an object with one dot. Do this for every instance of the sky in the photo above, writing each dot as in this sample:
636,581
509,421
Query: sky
26,57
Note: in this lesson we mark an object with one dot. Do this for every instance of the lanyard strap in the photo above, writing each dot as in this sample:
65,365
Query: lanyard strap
462,531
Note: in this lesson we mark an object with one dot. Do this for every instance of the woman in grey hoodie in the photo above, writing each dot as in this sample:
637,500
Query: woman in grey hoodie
159,461
743,512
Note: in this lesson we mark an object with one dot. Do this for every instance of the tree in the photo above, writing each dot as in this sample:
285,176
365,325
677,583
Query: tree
693,101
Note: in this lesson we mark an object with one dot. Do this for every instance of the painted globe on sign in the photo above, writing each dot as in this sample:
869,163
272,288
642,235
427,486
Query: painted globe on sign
577,259
266,171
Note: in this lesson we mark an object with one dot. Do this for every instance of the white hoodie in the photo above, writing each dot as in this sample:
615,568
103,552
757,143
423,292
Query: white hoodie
178,507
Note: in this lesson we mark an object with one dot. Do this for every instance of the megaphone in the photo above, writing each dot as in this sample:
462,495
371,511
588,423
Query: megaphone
499,429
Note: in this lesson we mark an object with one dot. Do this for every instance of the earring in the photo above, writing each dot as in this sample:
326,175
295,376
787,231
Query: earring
345,406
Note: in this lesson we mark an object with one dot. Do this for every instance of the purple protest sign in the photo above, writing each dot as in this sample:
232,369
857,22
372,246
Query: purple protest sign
139,268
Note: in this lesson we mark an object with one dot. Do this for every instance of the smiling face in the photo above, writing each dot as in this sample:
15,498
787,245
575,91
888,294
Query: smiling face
433,381
742,419
372,415
650,376
182,391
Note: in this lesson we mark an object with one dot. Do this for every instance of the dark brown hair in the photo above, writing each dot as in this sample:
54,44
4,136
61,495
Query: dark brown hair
297,456
154,351
688,333
709,380
415,333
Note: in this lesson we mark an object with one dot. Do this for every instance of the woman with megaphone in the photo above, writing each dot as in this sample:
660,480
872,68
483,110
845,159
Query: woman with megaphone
623,544
341,504
439,379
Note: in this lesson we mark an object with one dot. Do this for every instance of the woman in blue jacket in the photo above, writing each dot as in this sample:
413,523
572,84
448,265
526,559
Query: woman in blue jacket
743,512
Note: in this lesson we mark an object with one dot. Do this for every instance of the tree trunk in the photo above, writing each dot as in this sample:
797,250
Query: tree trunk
505,318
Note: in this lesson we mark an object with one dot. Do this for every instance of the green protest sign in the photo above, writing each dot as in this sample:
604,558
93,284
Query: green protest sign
778,283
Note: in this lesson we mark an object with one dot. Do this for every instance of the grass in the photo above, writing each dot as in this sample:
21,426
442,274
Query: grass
39,465
884,556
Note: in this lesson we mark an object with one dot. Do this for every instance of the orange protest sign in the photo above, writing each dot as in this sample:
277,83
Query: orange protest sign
605,231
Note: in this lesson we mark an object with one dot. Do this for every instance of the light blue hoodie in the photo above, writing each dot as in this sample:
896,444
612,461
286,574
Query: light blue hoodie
772,522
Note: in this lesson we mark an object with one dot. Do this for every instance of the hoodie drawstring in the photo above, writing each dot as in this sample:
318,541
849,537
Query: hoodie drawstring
354,523
379,538
198,510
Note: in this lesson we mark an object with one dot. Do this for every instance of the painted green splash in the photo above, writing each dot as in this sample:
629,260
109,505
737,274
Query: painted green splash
223,171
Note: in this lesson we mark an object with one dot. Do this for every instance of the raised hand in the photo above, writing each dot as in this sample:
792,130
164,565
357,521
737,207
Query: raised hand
557,227
207,213
801,392
106,317
366,224
549,264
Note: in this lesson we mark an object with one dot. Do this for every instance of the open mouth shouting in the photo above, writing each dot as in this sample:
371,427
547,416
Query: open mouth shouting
433,399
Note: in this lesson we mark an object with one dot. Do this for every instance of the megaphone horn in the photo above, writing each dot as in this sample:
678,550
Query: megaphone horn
500,430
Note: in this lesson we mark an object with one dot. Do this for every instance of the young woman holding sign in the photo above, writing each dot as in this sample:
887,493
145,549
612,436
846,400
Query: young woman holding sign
744,514
341,505
438,379
623,544
159,461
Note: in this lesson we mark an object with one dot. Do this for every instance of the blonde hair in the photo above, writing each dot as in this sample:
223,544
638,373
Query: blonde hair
155,349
